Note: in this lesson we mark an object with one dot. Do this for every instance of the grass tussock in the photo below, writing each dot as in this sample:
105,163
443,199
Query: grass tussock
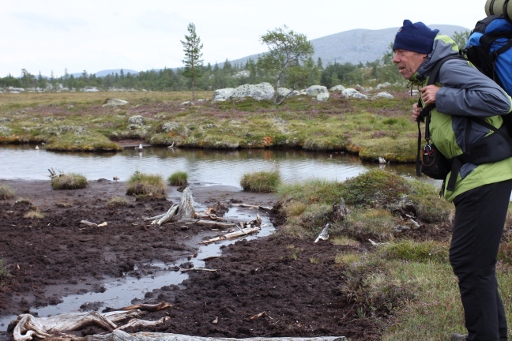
69,181
33,214
4,272
264,181
6,192
179,178
81,122
118,201
146,185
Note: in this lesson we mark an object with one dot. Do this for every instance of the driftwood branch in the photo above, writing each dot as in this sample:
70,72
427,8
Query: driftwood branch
265,208
214,223
120,335
27,326
242,232
198,269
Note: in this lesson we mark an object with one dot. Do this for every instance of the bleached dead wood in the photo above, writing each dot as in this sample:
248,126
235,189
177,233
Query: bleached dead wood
265,208
143,336
242,232
88,223
167,216
27,326
186,210
199,269
214,223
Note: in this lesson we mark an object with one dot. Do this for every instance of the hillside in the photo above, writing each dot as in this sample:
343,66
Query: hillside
353,46
359,45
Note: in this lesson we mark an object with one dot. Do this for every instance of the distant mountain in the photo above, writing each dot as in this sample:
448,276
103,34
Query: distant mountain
353,46
359,45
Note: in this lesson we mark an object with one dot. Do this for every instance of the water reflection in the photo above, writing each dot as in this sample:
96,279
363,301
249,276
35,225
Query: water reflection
204,166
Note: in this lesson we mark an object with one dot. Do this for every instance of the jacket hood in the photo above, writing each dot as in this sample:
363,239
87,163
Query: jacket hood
443,46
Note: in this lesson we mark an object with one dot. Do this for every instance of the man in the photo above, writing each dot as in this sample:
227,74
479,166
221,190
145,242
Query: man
462,96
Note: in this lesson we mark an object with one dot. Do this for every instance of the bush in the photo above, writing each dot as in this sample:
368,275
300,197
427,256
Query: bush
261,181
6,192
146,185
178,178
69,181
117,201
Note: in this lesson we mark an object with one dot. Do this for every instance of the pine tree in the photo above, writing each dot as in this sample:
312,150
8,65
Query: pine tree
192,47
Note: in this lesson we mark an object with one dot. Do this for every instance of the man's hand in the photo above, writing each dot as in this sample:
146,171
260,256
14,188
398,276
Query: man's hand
428,93
416,111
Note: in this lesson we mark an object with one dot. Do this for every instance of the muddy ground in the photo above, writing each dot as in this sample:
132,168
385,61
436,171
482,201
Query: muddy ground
271,286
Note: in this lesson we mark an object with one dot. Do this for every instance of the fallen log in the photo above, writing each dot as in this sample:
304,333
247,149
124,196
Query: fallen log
121,335
214,223
167,216
88,223
265,208
242,232
27,326
198,269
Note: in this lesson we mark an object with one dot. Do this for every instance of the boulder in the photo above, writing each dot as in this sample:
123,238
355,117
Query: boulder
314,90
339,88
284,92
262,91
114,102
222,94
353,93
384,95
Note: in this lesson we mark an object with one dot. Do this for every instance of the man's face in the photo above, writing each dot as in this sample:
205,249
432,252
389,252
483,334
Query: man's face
408,62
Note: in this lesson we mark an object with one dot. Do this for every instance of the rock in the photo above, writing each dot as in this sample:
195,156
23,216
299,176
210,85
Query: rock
222,94
339,88
284,92
114,102
262,91
384,95
353,93
314,90
136,120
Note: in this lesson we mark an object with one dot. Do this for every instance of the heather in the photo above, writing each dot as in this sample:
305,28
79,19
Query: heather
371,128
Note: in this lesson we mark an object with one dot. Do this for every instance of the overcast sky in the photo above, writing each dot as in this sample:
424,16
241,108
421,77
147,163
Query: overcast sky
45,36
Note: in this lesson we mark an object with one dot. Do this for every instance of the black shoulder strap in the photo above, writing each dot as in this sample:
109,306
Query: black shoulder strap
425,113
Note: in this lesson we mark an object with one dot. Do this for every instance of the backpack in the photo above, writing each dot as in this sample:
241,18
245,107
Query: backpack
489,50
492,148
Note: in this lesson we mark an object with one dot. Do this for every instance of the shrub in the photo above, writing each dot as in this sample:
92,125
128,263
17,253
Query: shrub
33,214
117,201
178,178
263,181
146,185
6,192
412,251
4,273
69,181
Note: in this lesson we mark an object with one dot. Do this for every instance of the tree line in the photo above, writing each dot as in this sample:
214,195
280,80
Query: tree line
288,63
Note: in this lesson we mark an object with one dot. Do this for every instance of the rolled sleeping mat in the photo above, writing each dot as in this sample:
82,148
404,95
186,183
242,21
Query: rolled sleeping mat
499,7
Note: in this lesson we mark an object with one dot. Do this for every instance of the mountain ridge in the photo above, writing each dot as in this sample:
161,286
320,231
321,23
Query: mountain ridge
353,46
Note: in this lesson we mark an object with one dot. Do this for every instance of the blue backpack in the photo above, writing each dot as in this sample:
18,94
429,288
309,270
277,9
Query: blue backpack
489,50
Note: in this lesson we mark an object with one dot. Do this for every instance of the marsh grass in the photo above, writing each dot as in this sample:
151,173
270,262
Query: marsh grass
178,178
146,185
372,129
69,181
4,272
85,141
6,192
118,201
407,280
33,214
264,181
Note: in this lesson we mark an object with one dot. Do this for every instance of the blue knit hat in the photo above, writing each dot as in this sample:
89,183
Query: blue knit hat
415,37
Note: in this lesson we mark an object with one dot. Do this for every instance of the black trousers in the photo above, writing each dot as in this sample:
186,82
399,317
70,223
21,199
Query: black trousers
479,220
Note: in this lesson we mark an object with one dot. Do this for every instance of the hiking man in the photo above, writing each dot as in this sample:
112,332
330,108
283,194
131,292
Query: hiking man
463,98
